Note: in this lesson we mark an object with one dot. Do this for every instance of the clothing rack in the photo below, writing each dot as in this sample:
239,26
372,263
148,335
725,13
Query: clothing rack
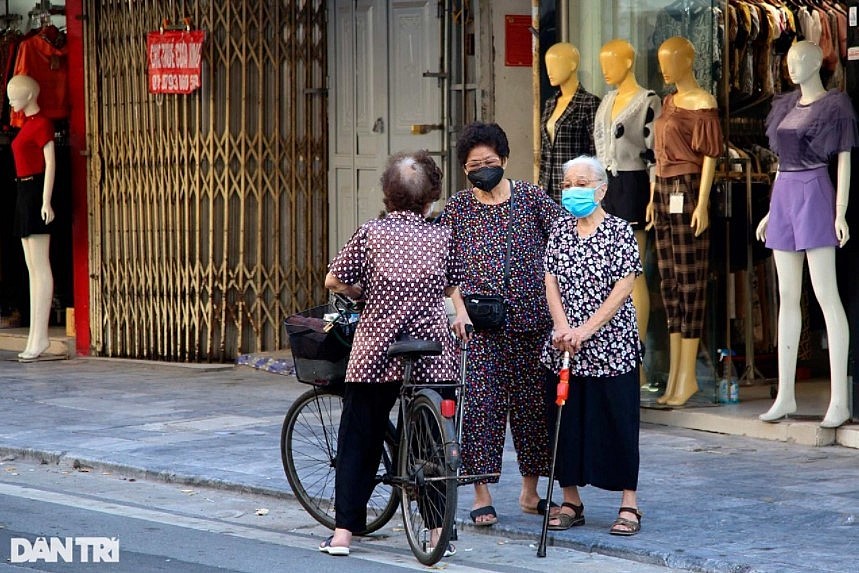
750,374
8,18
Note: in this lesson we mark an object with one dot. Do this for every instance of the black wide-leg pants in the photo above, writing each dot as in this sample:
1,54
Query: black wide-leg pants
363,423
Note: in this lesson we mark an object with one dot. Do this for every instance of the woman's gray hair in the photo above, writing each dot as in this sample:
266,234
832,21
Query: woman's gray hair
595,166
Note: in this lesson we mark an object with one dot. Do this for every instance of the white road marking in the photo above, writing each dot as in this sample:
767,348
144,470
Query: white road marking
360,550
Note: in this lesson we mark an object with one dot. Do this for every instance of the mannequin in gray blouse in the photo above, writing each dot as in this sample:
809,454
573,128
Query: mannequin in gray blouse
623,135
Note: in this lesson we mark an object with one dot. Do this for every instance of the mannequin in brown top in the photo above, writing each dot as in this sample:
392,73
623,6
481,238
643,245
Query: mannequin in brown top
623,136
567,123
688,140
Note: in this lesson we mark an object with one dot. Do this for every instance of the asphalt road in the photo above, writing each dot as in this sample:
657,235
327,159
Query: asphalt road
180,529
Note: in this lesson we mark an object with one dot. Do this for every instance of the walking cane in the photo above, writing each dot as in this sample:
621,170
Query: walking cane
563,392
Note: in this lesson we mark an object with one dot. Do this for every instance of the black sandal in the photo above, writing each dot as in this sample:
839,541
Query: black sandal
634,526
480,512
565,520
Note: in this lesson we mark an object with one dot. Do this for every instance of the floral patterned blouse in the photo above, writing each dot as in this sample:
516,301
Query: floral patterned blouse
403,264
587,269
480,248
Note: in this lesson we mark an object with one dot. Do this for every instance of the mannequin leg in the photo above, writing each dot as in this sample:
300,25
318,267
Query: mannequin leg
789,270
687,378
26,246
673,367
37,257
641,299
821,266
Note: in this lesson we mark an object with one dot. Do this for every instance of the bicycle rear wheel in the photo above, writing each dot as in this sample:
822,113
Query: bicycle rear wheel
308,447
428,472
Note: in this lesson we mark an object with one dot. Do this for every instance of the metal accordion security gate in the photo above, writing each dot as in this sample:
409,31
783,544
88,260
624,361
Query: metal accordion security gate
209,211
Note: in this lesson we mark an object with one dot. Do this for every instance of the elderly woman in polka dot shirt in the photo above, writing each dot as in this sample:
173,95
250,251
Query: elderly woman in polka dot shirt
401,266
505,377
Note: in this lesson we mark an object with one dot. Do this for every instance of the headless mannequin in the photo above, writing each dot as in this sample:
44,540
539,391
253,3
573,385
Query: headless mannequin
562,67
676,60
804,60
616,59
23,93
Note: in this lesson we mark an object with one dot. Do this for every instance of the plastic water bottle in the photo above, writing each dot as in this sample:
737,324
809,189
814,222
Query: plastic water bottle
723,390
733,388
729,386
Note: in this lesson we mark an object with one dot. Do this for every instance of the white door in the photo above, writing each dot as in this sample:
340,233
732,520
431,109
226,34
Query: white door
384,96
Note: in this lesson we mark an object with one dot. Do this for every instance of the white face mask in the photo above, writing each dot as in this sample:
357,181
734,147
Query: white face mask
430,209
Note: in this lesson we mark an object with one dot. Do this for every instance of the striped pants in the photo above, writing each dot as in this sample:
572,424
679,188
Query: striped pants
681,256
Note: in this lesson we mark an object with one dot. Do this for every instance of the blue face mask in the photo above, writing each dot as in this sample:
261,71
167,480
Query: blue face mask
580,201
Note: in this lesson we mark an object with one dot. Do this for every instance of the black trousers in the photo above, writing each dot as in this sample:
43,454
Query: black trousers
366,411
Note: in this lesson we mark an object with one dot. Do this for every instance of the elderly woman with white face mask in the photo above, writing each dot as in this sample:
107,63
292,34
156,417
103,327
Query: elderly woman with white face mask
591,263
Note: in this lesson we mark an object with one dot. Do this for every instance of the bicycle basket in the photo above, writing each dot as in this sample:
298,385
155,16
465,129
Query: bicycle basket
319,355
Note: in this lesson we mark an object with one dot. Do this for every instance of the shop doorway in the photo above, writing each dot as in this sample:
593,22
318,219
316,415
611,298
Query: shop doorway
388,88
207,211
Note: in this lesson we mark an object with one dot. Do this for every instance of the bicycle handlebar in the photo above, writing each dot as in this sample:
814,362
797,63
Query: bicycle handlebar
343,302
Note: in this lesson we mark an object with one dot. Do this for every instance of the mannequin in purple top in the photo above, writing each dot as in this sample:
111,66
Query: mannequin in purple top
806,221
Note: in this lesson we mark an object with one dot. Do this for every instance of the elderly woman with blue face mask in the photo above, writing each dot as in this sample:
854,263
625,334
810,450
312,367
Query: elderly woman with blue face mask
591,263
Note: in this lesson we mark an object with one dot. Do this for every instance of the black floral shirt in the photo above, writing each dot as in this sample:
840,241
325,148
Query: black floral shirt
480,248
587,270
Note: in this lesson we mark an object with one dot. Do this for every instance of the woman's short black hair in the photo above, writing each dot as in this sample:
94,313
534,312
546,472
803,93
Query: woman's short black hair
411,181
479,133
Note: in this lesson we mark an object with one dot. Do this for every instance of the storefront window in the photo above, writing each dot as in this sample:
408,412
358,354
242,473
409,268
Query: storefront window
645,24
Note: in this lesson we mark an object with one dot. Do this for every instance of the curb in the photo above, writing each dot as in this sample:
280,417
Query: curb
166,476
639,555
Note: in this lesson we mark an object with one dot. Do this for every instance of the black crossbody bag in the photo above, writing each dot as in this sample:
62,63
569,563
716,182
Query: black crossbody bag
489,311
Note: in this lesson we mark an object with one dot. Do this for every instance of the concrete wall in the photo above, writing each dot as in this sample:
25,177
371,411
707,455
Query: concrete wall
512,86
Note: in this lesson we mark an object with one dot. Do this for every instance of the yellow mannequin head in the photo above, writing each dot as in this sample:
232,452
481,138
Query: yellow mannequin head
22,91
562,62
803,61
616,59
676,56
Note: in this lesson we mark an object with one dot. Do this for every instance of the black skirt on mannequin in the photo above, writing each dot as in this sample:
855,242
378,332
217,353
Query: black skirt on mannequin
28,208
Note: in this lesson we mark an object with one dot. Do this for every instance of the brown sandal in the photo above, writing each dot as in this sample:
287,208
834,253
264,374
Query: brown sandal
565,520
633,526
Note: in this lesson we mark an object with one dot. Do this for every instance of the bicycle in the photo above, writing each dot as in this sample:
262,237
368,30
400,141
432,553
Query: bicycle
420,465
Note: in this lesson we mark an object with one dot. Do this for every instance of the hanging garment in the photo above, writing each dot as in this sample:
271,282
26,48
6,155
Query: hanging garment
43,58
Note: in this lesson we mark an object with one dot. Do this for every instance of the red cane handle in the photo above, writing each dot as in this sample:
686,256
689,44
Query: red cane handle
563,387
563,390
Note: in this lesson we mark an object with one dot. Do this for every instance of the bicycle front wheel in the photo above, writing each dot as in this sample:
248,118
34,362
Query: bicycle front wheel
427,469
308,447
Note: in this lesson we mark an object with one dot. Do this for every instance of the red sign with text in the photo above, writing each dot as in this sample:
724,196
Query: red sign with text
517,40
174,61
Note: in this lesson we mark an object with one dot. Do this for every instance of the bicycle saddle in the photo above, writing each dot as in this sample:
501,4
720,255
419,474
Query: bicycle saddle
414,347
